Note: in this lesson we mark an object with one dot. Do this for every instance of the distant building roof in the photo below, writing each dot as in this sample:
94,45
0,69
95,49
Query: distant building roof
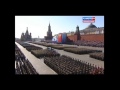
91,26
91,30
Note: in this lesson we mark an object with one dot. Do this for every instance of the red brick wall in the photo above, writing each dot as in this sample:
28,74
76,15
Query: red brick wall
90,37
93,37
72,37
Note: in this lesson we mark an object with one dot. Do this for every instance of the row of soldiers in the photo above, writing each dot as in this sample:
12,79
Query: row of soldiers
40,52
45,53
24,44
29,48
22,64
66,65
89,43
96,55
81,50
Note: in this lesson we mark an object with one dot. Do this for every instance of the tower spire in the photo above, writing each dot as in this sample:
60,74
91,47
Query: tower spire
49,23
49,27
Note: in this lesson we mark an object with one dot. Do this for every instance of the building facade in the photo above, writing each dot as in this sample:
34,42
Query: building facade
26,36
92,29
91,33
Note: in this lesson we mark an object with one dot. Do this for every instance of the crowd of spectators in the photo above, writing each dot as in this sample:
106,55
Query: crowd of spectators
22,64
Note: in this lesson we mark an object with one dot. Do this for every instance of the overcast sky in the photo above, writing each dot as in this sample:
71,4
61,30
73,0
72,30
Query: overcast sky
38,25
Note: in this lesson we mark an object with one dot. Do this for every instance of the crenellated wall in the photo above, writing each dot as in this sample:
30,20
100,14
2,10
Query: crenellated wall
93,37
88,37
